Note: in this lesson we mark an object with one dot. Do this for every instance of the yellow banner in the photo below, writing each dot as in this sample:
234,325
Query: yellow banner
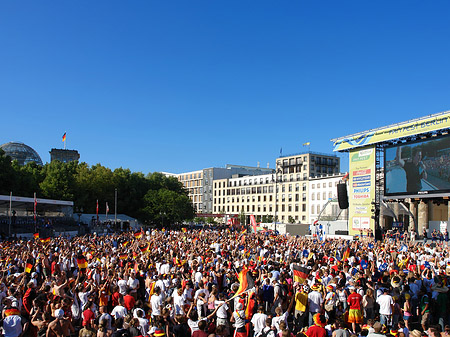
433,123
362,190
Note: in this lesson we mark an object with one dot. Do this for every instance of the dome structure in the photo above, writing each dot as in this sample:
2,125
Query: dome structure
21,152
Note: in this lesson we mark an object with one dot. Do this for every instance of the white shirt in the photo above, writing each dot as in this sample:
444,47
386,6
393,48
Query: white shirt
156,302
122,284
277,320
119,312
385,302
222,311
315,300
259,322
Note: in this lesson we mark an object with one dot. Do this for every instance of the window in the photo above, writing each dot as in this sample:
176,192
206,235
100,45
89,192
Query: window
318,209
313,186
313,197
330,184
324,185
290,188
303,207
318,195
313,209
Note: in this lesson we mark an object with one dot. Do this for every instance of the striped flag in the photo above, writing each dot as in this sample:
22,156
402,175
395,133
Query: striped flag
123,256
300,274
46,240
138,235
346,254
184,230
81,262
28,267
36,235
145,248
64,137
246,282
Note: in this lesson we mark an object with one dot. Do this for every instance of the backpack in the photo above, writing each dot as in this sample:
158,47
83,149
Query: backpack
283,291
267,332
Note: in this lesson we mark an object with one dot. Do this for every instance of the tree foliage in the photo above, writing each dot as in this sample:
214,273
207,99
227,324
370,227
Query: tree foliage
154,198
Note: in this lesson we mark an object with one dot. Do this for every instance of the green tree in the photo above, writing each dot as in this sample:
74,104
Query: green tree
291,220
59,181
7,174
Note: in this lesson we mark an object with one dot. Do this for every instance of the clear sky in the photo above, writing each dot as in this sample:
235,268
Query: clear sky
177,86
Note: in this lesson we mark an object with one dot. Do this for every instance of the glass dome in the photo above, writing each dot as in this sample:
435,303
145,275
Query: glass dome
21,152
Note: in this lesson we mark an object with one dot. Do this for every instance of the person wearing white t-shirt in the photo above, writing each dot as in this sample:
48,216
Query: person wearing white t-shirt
259,321
156,302
386,304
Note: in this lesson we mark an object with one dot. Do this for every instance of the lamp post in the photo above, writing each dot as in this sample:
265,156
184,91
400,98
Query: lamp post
278,170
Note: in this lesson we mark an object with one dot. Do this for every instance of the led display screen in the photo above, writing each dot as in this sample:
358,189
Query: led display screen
417,168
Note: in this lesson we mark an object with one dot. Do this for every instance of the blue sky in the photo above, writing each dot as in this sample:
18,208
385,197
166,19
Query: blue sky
182,85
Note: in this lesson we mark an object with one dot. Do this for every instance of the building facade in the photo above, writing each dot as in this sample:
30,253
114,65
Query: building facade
200,183
63,155
281,195
321,190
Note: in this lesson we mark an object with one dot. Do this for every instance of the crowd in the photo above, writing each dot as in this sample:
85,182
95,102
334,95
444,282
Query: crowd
203,283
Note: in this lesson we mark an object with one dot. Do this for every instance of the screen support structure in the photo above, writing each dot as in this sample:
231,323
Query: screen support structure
376,204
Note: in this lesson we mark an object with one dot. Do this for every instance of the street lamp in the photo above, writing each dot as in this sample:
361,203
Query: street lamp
278,170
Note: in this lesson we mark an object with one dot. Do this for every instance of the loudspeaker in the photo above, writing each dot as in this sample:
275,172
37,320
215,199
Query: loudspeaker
378,236
342,196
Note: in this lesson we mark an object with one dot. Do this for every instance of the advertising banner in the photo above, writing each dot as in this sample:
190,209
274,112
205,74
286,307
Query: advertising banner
432,123
361,189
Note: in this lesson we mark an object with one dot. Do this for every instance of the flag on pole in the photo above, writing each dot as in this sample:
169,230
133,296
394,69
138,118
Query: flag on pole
300,274
107,209
346,254
246,282
253,223
97,210
307,144
281,151
64,137
138,235
35,206
36,235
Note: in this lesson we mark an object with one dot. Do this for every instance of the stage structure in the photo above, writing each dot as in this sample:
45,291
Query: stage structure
408,162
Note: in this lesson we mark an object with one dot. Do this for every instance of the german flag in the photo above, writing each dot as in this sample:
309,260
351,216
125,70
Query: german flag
11,312
36,235
138,235
300,274
246,282
152,289
145,248
184,230
81,261
135,255
125,243
28,267
346,254
46,240
123,256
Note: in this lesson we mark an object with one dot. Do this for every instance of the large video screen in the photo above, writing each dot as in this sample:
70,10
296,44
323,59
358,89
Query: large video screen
417,168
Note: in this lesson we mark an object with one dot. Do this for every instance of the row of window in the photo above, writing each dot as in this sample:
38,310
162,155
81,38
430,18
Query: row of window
315,196
259,208
324,185
191,176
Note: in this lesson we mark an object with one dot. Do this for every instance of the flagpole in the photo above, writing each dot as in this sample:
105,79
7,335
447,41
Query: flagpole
10,213
115,206
35,211
106,211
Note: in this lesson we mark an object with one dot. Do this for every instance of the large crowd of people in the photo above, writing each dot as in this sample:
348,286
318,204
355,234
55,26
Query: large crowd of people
203,283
